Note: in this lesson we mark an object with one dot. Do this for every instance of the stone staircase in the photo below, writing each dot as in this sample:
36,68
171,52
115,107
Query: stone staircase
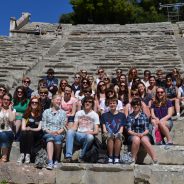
145,46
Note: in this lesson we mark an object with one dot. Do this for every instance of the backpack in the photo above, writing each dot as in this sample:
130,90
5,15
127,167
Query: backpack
97,153
41,158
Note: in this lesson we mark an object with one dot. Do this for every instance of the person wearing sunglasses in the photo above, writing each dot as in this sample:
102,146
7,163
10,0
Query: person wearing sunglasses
42,83
161,113
30,130
63,83
26,81
7,117
3,90
113,123
85,83
138,130
85,127
44,99
115,80
101,74
20,104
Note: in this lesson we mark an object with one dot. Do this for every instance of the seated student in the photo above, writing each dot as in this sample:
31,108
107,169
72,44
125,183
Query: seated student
112,125
52,81
26,81
85,126
161,113
138,130
53,124
31,129
7,116
69,105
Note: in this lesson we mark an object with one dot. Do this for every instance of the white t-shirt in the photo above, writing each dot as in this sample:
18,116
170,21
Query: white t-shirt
86,122
106,108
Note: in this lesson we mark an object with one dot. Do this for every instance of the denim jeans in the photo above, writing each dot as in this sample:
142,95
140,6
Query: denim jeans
85,140
6,139
57,139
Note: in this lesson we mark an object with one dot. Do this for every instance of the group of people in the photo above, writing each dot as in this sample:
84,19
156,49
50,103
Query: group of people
125,109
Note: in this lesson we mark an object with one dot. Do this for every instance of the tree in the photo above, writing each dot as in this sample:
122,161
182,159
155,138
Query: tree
115,11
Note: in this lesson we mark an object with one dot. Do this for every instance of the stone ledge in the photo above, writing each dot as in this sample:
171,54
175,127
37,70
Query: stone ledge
92,174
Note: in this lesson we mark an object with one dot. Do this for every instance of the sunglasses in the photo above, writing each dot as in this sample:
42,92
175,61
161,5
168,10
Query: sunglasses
101,71
43,93
84,82
122,85
77,77
33,102
134,94
106,79
3,90
26,81
64,83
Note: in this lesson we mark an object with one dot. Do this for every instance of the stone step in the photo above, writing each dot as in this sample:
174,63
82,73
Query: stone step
92,173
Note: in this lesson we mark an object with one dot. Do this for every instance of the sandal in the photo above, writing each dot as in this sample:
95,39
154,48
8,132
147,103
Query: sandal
4,159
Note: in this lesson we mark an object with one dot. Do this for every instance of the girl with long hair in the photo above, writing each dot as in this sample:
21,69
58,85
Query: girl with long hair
30,129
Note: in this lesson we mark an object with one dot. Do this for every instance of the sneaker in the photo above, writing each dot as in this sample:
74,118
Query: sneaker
176,117
21,158
56,164
49,166
155,162
80,160
116,161
110,161
27,159
68,160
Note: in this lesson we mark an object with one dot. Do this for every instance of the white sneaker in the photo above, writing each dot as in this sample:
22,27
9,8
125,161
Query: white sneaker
49,166
21,158
56,164
27,159
116,161
110,160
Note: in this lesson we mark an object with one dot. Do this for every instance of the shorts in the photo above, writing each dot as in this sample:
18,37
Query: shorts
57,139
169,124
107,136
130,138
6,139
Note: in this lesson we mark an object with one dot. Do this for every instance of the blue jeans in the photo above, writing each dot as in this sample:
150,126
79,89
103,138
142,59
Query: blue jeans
57,139
6,139
81,138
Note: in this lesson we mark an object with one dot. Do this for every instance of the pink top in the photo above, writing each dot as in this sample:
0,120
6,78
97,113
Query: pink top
67,106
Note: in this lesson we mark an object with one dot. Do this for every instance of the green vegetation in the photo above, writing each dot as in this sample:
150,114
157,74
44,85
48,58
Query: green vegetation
3,182
115,11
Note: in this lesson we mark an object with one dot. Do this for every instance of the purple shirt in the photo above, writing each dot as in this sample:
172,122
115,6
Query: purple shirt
162,111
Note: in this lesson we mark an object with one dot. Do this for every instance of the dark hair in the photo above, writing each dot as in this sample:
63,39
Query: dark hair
9,95
86,99
98,91
136,101
23,99
147,71
81,86
50,70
